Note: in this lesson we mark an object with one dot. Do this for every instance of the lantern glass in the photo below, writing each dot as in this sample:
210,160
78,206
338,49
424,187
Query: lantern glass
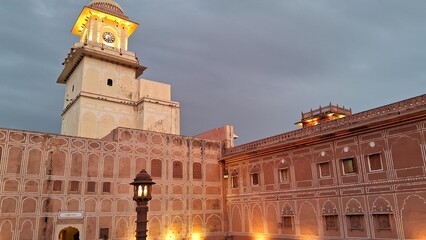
145,191
140,191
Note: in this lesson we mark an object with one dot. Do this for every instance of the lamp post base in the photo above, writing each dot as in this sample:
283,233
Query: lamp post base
141,220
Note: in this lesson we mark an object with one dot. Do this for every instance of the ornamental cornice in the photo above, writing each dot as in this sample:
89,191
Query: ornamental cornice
358,121
315,190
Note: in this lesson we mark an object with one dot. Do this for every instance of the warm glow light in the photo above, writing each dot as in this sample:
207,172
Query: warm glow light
259,237
171,235
196,236
139,191
145,190
87,12
309,238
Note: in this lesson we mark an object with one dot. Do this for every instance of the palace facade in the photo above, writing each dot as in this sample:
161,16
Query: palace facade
341,176
361,176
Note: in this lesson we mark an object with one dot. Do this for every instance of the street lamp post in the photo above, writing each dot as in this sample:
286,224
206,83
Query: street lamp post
142,186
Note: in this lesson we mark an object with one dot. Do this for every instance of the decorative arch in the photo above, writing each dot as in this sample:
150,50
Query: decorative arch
34,161
93,165
197,204
108,166
197,170
255,175
272,218
155,205
73,204
124,206
177,205
56,163
106,205
381,204
8,205
197,225
413,217
354,206
52,205
156,168
255,169
177,189
76,164
355,215
213,223
283,163
403,147
14,160
124,165
177,169
287,209
246,216
122,228
157,188
6,230
308,216
269,171
29,205
154,226
26,232
11,185
176,227
90,205
234,178
329,207
31,186
236,219
257,219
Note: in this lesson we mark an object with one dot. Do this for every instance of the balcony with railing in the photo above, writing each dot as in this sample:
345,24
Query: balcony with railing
322,114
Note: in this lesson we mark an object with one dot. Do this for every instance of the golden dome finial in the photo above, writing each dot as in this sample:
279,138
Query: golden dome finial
108,6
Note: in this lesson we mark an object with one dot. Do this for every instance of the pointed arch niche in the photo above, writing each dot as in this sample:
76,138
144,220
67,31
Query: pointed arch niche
413,217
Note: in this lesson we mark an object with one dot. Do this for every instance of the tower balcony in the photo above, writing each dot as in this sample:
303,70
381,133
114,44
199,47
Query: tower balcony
99,51
105,48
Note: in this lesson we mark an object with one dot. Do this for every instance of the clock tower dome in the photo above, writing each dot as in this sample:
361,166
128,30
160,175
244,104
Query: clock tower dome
103,91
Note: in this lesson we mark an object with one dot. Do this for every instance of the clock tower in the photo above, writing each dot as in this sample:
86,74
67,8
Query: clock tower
103,91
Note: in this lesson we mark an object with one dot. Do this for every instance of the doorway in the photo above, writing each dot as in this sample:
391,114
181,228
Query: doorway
69,233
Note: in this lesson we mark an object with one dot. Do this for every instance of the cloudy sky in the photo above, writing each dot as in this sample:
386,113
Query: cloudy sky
249,63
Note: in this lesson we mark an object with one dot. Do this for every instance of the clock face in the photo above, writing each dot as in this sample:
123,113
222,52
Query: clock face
108,37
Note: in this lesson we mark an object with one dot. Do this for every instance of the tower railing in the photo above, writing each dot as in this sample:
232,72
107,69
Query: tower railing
101,46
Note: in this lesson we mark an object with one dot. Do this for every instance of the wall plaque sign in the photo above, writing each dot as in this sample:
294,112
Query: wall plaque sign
71,215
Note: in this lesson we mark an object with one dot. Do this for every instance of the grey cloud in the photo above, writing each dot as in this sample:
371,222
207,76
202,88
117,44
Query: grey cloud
254,64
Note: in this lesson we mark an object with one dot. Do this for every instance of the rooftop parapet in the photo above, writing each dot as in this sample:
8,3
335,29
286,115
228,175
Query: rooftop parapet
322,114
412,105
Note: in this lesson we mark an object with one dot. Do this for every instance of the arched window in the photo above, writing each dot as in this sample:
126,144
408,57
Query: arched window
177,169
254,175
156,168
109,82
196,170
234,178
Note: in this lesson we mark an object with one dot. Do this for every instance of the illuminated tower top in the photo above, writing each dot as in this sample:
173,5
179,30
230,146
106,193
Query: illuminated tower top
102,89
103,21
